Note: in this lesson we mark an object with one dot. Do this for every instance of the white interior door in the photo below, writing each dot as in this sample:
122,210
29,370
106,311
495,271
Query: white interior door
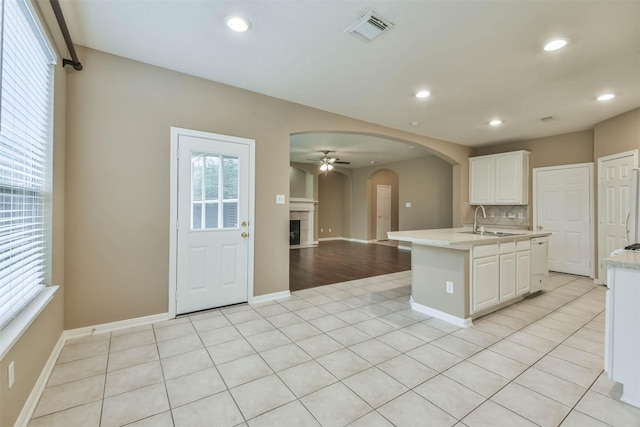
614,174
383,211
213,242
563,206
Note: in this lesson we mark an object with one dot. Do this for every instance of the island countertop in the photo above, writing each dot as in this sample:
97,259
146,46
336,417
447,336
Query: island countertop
460,238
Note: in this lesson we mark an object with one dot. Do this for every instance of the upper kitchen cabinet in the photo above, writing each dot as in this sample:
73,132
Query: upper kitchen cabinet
499,179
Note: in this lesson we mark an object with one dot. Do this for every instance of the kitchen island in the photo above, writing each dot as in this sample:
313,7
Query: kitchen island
457,275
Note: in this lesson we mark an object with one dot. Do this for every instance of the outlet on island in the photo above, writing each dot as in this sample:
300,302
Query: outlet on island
449,287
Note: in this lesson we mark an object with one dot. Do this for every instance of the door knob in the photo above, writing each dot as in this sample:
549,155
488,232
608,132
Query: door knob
540,227
244,223
244,235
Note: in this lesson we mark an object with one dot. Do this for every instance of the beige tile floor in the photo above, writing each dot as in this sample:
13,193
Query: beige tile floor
352,353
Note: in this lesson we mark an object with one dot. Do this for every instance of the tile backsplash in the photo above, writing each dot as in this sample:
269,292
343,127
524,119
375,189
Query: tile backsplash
516,217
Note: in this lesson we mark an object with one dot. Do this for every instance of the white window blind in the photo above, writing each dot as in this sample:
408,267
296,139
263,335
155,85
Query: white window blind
26,71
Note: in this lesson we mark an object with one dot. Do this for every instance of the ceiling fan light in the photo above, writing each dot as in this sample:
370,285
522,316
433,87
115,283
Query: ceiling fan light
238,23
323,167
329,167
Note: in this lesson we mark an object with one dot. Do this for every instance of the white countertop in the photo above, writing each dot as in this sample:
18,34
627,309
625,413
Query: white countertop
624,259
460,238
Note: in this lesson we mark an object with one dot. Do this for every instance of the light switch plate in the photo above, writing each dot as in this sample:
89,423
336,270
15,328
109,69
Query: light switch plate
279,199
407,205
11,374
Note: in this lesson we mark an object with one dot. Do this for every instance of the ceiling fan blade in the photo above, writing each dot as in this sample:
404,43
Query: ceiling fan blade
343,163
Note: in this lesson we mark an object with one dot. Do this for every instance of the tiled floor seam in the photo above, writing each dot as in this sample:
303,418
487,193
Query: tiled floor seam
164,378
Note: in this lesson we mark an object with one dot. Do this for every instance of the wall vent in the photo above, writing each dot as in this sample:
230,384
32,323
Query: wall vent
549,118
369,26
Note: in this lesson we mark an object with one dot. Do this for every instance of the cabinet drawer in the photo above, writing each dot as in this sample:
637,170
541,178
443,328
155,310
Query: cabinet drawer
485,250
507,247
523,245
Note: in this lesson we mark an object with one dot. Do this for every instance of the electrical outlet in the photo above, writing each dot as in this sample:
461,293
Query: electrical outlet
511,215
12,374
329,230
279,199
503,215
449,287
520,216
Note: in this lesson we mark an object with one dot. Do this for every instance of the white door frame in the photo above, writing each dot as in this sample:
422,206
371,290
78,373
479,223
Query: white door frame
601,207
173,206
592,221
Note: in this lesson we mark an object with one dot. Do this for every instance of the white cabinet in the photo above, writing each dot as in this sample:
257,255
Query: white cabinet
499,179
507,271
485,277
622,328
499,273
523,267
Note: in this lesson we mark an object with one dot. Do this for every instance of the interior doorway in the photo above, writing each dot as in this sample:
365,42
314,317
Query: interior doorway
383,212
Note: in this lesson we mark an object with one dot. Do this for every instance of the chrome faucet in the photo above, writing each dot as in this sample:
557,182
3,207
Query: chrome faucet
475,217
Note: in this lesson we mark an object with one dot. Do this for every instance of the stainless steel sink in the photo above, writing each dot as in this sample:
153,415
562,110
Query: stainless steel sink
492,233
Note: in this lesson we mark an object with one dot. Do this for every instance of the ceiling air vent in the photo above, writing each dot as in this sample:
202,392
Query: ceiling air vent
549,118
369,26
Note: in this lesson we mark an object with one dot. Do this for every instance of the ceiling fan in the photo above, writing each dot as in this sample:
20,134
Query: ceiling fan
327,162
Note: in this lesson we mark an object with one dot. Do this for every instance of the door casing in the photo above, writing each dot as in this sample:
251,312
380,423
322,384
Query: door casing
388,209
173,205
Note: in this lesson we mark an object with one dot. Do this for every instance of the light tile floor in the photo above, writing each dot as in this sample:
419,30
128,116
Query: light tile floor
352,353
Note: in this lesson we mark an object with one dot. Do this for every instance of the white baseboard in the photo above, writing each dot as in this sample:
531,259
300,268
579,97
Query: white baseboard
114,326
458,321
269,297
327,239
32,401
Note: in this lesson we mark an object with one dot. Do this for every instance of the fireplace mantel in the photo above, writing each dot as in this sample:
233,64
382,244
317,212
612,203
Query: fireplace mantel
303,209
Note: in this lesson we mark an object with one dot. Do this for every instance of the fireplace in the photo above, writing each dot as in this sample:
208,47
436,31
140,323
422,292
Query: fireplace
301,210
294,232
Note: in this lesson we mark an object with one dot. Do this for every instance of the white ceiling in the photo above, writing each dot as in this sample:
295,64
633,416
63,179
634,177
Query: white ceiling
479,59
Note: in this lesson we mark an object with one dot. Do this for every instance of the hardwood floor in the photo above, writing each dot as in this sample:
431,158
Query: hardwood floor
339,261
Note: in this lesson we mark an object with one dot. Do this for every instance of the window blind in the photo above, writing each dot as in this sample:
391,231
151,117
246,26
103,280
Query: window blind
26,70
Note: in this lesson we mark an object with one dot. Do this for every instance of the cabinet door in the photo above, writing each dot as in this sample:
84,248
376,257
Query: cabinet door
507,276
486,283
481,180
508,179
523,272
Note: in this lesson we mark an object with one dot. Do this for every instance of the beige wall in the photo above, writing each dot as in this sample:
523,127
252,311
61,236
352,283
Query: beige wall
297,183
331,198
617,135
420,181
119,115
32,350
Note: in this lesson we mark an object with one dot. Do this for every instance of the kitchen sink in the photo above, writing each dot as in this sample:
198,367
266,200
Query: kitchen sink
491,233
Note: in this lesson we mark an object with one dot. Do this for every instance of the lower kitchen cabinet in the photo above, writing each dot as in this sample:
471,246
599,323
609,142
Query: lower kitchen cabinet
485,276
499,273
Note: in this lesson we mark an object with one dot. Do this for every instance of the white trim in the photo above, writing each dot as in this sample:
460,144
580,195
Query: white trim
32,401
601,160
347,239
173,208
592,228
18,326
404,248
458,321
269,297
114,326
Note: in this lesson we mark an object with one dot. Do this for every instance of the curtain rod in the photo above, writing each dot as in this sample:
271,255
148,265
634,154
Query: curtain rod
67,37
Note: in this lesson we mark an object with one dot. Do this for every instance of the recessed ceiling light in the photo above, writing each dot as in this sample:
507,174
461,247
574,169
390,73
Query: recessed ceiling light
411,147
606,96
238,23
415,123
422,94
555,45
495,122
373,162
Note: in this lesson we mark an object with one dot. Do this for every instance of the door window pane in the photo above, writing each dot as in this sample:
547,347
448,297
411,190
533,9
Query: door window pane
211,164
211,215
230,213
230,167
212,176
